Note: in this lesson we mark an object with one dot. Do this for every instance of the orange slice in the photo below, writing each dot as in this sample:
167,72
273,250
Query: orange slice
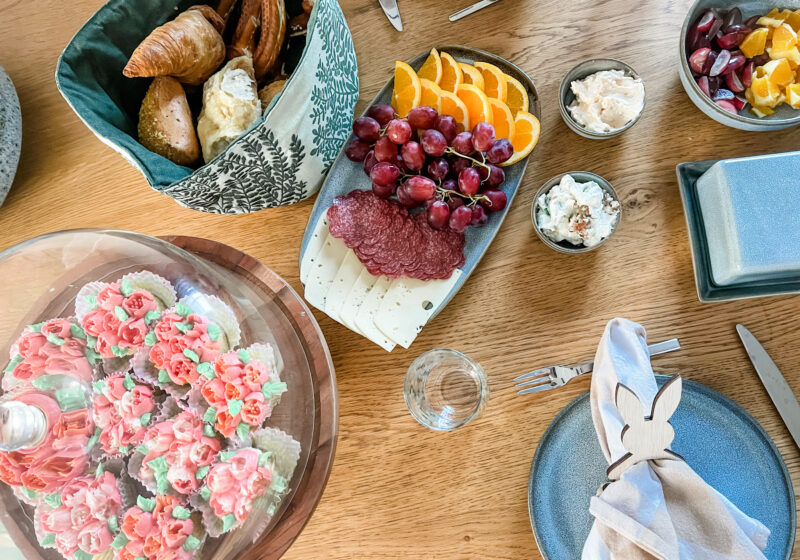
431,94
453,106
451,73
471,75
432,67
517,98
502,119
477,104
526,135
407,89
755,42
784,38
495,83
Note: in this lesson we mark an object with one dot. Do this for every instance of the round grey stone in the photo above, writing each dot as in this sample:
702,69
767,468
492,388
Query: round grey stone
10,133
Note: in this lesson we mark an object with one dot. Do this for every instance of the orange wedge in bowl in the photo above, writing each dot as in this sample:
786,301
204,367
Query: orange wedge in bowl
495,82
431,94
477,104
526,135
471,75
432,68
451,73
502,119
517,96
407,89
453,106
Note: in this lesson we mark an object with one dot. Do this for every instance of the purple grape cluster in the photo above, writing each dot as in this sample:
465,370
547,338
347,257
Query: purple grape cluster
423,161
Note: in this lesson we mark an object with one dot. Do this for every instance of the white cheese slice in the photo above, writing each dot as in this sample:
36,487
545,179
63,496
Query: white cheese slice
408,304
314,245
365,318
346,277
323,270
355,298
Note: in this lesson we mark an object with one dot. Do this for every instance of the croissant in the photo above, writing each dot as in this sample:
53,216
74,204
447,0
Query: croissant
165,122
189,48
273,32
244,37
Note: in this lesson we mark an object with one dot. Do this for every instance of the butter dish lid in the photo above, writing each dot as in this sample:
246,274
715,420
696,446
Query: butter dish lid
750,209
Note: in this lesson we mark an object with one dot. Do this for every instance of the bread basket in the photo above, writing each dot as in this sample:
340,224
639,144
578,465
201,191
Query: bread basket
280,160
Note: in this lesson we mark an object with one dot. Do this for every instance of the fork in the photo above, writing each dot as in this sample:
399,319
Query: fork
557,376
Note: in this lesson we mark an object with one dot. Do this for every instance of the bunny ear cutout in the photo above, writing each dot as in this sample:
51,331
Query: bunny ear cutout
629,406
667,399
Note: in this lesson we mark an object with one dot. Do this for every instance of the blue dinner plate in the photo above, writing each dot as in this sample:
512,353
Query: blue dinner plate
718,439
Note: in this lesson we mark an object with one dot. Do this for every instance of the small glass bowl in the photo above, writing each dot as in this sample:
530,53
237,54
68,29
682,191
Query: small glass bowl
581,71
581,177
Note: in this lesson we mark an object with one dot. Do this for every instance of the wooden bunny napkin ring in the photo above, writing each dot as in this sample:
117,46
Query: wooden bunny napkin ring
646,438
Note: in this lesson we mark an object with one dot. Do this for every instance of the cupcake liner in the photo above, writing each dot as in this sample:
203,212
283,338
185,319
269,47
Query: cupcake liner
82,304
218,312
284,449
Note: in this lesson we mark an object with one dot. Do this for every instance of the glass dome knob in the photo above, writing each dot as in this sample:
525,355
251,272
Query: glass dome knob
21,426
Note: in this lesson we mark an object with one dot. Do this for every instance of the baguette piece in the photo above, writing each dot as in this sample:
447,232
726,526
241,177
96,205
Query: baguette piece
165,122
230,106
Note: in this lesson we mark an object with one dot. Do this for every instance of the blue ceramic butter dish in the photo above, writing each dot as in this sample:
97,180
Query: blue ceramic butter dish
750,209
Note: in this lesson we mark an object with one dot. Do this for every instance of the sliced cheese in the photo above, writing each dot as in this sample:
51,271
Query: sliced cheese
365,317
408,304
323,270
313,246
346,277
355,298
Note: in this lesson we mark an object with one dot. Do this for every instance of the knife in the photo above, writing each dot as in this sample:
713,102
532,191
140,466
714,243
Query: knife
391,11
471,9
774,382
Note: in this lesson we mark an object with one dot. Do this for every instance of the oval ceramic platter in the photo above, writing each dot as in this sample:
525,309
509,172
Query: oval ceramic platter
726,446
392,312
10,133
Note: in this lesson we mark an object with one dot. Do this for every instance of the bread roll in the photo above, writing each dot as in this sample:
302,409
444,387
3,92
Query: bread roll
267,93
230,106
165,122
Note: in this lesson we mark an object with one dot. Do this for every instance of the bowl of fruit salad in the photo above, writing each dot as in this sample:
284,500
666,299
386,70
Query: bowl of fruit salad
740,62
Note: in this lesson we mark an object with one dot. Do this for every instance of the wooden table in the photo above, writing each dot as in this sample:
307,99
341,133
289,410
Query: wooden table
397,489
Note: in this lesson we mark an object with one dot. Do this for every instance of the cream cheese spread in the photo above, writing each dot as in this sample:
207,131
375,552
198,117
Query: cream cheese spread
607,100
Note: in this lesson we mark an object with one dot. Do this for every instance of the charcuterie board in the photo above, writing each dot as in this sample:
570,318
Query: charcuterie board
338,284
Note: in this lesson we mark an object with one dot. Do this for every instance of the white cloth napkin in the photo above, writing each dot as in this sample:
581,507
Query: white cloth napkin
658,509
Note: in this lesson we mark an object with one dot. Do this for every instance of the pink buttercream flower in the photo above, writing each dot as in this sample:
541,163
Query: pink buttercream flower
214,392
111,322
235,484
132,333
27,371
160,354
182,479
30,343
58,327
244,463
181,370
9,472
139,303
105,341
254,409
63,364
110,296
202,452
74,347
93,322
56,521
95,537
255,375
67,542
176,531
165,328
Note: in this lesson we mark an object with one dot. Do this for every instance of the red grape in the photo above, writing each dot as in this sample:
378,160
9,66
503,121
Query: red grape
497,200
420,188
438,169
462,143
482,136
422,117
479,216
369,162
383,191
450,185
433,143
501,151
381,113
469,181
413,156
367,129
697,60
447,126
404,197
398,131
385,150
460,218
723,58
356,150
496,176
483,172
384,173
400,162
454,202
458,164
438,214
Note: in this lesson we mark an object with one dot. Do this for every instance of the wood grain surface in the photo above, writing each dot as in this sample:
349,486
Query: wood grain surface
396,489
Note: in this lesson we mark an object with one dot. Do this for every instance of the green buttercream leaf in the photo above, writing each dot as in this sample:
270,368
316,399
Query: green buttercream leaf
81,555
208,431
121,314
69,398
226,456
93,440
98,472
53,339
30,494
37,327
119,352
91,355
145,504
244,356
183,327
120,541
163,376
158,465
228,522
76,331
125,287
15,361
271,510
201,472
210,414
91,300
191,542
242,430
145,418
213,332
235,406
150,339
113,524
263,458
278,485
151,316
48,540
128,382
191,354
206,370
205,493
273,389
180,512
124,448
53,500
140,558
98,386
182,309
142,448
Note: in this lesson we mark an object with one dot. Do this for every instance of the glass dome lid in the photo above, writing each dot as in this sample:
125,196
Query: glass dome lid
214,340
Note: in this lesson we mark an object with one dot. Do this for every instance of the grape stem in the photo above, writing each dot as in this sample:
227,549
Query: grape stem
473,200
453,152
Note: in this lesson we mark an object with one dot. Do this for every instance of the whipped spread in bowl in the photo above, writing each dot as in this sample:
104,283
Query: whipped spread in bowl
582,214
606,101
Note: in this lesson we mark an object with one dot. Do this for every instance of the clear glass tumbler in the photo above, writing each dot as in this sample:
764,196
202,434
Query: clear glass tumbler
444,389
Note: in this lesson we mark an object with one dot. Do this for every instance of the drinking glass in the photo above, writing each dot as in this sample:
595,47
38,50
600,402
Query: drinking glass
444,389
